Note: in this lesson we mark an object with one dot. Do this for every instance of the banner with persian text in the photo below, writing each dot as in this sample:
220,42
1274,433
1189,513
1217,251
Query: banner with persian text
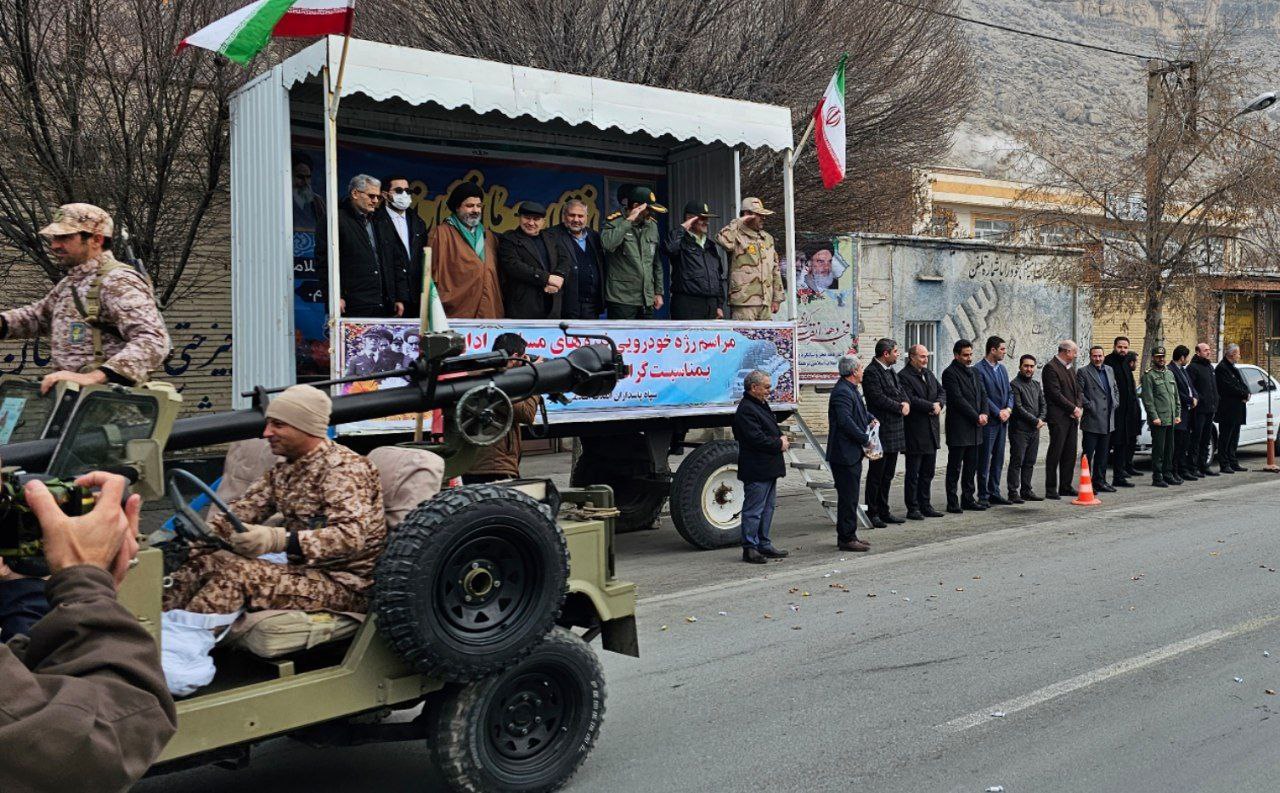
826,299
677,368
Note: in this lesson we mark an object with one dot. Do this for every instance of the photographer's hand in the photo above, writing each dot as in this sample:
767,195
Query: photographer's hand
106,537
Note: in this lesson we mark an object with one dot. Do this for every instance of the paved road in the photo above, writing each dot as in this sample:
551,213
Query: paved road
1109,638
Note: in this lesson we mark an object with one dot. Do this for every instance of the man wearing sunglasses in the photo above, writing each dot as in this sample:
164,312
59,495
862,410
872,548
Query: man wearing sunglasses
403,235
370,287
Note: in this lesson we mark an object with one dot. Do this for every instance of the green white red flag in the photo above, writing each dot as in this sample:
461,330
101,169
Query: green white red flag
829,133
243,33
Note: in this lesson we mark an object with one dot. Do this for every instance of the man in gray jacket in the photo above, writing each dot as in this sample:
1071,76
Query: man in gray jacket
1101,396
1024,430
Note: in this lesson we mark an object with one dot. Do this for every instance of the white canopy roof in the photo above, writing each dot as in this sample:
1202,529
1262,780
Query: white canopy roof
385,71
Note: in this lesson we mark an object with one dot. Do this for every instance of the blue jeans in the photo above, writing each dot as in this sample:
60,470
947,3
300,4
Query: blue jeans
991,466
757,513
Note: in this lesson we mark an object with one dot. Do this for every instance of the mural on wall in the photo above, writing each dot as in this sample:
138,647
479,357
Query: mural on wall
826,300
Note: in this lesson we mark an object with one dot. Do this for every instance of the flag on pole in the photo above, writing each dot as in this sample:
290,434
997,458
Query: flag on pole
242,34
828,121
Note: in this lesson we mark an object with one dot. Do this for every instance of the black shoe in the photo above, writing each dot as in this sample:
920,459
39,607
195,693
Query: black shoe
1053,496
1158,482
976,506
877,523
889,517
930,512
1068,491
954,509
752,556
774,553
1188,476
1225,470
1030,495
998,499
1208,472
914,514
1103,487
1239,468
1014,498
1131,471
1173,479
1121,483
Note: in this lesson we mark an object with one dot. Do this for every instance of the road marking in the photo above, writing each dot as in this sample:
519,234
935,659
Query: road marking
1009,707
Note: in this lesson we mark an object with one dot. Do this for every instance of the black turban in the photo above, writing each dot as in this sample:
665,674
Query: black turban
461,193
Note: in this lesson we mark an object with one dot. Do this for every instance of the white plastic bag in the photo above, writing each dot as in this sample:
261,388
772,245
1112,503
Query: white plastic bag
874,450
186,638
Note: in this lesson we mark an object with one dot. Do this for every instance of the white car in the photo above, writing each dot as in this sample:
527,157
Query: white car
1262,387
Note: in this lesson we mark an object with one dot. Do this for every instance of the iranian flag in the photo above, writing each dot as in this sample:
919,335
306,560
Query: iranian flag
242,34
828,121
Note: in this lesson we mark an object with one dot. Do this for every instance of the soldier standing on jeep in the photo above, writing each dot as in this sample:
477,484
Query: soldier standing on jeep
755,282
101,318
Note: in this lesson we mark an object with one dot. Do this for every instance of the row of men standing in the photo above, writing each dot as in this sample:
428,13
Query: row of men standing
987,410
569,271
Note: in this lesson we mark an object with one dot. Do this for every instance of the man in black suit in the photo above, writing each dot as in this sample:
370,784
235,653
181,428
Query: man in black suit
848,423
579,244
699,284
923,435
888,403
1064,407
1188,399
368,287
1128,417
1206,385
402,237
761,444
532,272
966,416
1233,394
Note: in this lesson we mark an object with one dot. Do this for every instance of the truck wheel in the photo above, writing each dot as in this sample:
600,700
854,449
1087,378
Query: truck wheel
638,495
706,496
471,581
527,729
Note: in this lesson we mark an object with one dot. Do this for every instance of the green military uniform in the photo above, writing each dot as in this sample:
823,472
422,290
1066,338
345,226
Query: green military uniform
755,280
633,272
1160,398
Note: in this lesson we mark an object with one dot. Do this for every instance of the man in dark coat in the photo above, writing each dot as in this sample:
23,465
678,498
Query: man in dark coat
923,435
1233,394
530,268
1188,399
1205,382
1065,407
849,424
888,403
966,416
1024,430
369,288
1128,416
761,444
402,237
580,245
699,284
1100,395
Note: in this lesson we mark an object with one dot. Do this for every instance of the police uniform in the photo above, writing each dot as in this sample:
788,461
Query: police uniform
101,315
331,500
633,272
755,281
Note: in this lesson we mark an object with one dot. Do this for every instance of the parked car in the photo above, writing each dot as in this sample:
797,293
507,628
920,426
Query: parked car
1255,424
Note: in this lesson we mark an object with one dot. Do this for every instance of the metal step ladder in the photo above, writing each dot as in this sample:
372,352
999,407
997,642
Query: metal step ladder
814,469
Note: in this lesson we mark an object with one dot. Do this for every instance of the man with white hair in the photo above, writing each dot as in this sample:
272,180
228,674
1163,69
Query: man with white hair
849,423
1065,406
1233,394
333,532
369,287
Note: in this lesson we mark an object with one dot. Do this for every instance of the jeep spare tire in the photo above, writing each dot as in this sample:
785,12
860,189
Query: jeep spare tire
471,582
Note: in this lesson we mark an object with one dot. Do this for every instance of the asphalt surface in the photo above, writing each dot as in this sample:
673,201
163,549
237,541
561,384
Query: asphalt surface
1109,637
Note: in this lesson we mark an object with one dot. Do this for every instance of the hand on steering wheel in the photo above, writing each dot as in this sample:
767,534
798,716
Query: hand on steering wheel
188,523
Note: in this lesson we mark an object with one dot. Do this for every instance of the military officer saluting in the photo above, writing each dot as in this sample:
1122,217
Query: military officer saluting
101,319
755,282
633,272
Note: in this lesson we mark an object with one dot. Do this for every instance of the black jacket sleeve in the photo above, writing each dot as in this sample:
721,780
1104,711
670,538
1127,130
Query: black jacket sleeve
846,425
955,395
914,398
873,389
511,263
756,435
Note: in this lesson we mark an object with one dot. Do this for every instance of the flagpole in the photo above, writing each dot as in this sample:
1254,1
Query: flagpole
332,293
342,69
803,139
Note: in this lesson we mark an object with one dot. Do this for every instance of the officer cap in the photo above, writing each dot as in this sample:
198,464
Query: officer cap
644,195
699,208
76,218
755,205
1158,352
532,209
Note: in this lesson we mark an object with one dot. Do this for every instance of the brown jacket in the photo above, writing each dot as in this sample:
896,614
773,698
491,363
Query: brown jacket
1061,392
468,287
83,702
503,457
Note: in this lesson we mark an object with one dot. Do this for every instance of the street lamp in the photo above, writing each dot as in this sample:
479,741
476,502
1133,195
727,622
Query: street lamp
1260,102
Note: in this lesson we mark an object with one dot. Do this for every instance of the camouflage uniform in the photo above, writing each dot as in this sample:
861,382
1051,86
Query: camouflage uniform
331,500
755,281
134,340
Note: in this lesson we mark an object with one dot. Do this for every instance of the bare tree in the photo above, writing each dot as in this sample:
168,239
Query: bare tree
97,106
908,79
1170,188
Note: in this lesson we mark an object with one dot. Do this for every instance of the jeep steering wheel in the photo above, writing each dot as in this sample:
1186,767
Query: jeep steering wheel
187,523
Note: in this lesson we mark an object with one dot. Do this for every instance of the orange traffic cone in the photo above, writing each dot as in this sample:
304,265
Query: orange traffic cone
1086,497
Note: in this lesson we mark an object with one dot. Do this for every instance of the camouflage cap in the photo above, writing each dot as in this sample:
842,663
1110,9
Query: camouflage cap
644,195
755,205
76,218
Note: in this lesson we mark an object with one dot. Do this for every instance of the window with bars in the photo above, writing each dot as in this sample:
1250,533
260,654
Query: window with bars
926,333
990,229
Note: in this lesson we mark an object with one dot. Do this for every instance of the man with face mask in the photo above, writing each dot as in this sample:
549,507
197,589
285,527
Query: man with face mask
531,269
579,245
101,319
402,237
465,258
633,272
755,282
698,284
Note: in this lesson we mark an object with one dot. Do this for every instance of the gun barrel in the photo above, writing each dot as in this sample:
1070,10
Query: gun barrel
587,371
